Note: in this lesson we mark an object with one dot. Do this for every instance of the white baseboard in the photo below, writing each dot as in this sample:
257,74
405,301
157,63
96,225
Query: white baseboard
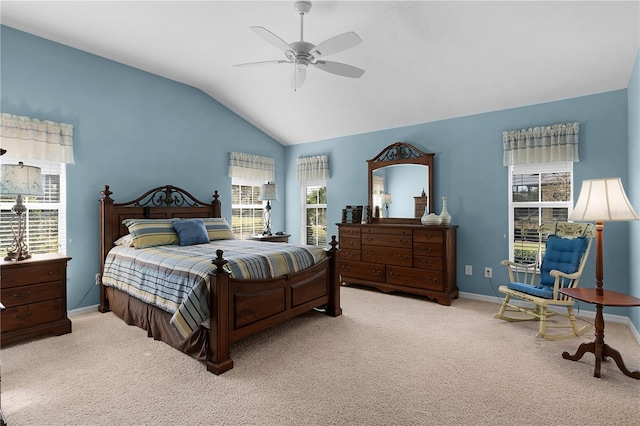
85,310
584,314
493,299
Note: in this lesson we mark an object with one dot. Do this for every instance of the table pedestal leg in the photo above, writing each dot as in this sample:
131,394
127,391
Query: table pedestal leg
600,349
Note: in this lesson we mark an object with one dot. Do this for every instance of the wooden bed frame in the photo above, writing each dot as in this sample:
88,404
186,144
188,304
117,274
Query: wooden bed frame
241,307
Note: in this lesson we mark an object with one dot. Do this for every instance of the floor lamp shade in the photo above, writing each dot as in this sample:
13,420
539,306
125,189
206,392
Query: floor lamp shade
19,180
602,200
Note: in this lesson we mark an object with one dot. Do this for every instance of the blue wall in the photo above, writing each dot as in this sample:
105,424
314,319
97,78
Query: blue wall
633,190
468,170
135,130
132,130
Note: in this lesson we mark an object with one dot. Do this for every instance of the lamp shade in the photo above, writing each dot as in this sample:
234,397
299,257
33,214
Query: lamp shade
387,198
603,200
268,191
18,179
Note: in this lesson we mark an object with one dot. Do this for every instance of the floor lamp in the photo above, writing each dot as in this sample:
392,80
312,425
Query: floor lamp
20,180
602,200
268,192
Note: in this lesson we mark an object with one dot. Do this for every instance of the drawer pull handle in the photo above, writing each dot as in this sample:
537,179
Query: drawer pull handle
22,296
427,262
24,317
433,280
346,267
428,236
49,272
369,238
349,254
368,253
394,274
377,272
429,250
403,257
404,241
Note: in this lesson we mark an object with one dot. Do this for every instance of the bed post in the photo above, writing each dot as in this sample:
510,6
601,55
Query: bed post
333,307
218,360
106,240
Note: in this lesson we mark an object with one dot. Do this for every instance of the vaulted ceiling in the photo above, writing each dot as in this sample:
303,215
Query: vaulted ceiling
423,60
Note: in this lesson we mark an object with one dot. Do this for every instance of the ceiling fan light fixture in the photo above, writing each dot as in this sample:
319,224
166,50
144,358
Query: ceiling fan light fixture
302,53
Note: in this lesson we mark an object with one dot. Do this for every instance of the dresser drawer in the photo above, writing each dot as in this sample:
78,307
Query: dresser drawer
428,249
392,230
428,236
417,278
387,255
33,314
349,231
431,263
349,243
31,273
31,293
402,241
346,254
361,270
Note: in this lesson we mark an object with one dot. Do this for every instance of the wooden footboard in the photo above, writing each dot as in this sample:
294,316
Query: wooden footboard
245,307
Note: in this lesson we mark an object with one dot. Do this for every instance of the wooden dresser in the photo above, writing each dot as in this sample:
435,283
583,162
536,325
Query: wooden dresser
34,293
407,258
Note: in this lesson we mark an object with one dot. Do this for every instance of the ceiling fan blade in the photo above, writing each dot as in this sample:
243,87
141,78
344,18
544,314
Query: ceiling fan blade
271,38
336,44
298,77
251,64
340,69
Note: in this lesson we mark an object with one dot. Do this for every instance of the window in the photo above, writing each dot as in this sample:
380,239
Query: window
46,230
538,193
246,210
314,196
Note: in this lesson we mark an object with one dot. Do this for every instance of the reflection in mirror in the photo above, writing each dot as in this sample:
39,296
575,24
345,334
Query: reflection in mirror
395,188
398,176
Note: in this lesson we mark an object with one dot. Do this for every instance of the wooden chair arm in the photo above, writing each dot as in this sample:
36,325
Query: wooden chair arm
555,273
509,263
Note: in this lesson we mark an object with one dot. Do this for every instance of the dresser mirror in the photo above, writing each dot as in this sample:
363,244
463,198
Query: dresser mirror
398,178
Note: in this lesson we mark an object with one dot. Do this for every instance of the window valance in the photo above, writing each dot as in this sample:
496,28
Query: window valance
314,168
253,167
544,144
25,137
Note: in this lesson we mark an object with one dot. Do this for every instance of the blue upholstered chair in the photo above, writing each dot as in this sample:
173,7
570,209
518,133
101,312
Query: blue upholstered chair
566,251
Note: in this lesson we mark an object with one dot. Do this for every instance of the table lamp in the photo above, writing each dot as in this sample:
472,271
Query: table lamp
602,200
268,192
20,180
386,199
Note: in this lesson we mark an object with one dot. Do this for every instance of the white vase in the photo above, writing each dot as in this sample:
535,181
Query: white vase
430,218
444,214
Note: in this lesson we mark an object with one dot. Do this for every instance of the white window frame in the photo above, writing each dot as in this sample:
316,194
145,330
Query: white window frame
48,168
258,206
304,206
563,166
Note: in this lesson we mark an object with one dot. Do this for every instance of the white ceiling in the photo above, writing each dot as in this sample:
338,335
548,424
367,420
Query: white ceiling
424,60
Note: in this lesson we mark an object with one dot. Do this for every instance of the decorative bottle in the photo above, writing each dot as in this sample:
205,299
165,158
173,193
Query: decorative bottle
444,215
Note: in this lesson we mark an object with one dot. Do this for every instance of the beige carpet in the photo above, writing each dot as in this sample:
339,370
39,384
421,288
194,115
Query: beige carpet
388,360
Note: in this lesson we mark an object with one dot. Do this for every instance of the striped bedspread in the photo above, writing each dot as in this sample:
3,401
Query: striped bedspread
176,279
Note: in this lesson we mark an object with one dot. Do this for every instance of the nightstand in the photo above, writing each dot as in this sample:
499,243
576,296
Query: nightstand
34,293
284,238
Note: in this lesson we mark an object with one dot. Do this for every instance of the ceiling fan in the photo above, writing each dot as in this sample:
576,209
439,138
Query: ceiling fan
302,53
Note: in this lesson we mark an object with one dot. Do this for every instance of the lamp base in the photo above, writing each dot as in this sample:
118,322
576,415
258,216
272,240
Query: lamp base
17,256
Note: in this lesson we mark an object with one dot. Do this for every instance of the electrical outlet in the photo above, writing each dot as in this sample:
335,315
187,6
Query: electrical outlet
97,279
468,270
488,272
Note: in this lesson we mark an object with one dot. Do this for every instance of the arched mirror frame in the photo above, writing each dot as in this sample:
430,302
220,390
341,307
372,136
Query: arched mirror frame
401,153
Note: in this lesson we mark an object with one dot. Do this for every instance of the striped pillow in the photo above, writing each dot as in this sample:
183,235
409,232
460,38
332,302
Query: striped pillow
152,232
218,229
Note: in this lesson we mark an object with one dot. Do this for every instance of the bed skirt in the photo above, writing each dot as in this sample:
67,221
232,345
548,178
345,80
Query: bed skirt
156,322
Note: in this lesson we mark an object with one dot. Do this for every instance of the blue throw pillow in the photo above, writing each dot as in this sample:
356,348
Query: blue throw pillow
562,254
191,231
